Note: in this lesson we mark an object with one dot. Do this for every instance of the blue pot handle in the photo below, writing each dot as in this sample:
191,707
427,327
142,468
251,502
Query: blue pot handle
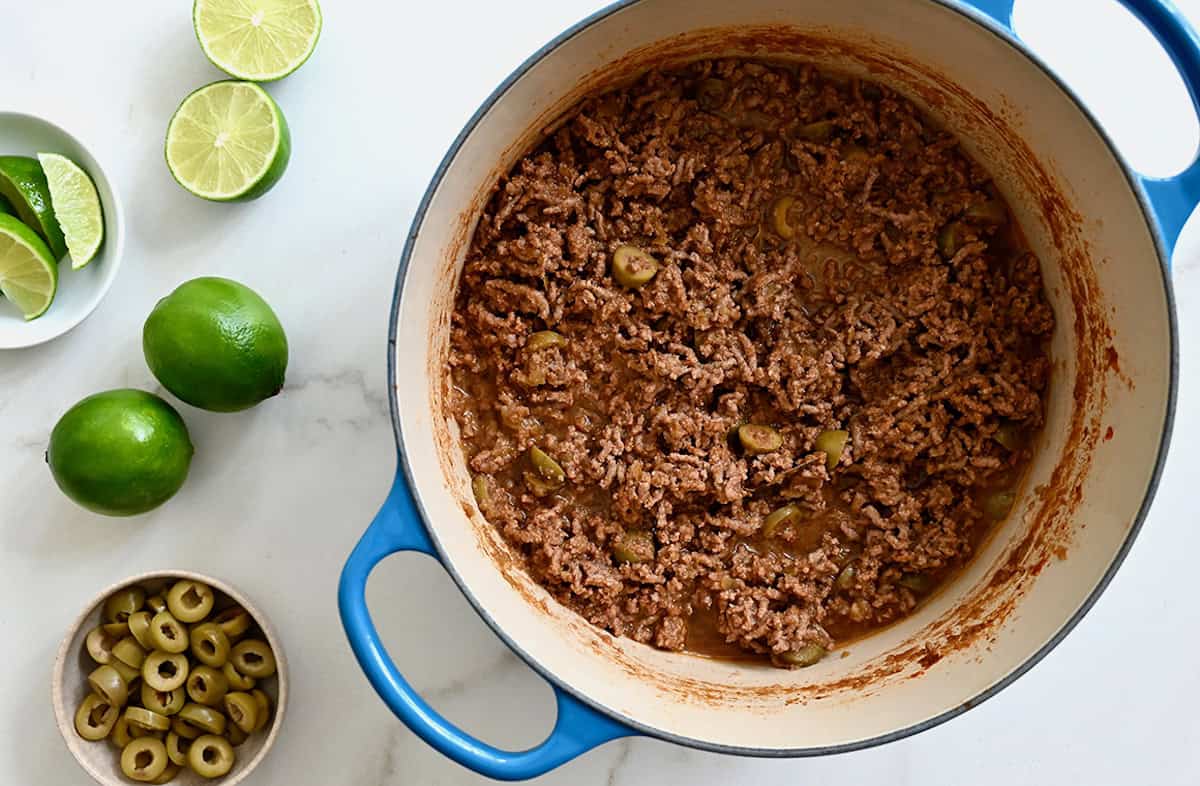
398,527
1172,198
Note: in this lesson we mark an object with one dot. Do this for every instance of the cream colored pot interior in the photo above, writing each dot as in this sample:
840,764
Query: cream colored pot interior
1096,458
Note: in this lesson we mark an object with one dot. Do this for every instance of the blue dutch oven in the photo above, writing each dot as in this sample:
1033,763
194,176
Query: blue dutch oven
1104,234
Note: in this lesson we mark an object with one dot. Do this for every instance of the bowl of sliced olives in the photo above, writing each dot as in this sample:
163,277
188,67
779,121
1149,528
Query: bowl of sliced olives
170,677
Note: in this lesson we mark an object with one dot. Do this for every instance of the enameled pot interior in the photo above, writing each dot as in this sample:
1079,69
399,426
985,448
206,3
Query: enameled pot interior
1106,416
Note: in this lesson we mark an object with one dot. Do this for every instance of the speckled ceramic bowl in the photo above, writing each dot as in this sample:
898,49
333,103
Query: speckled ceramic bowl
69,687
1104,234
79,291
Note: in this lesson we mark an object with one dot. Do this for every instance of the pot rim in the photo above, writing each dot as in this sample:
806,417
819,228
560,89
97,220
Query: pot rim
1163,254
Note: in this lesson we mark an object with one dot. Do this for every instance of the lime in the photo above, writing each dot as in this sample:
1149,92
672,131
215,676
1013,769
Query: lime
258,40
23,183
217,345
228,142
28,272
76,206
6,207
120,453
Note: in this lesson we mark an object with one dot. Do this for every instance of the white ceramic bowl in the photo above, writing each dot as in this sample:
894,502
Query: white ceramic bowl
69,687
1104,236
79,291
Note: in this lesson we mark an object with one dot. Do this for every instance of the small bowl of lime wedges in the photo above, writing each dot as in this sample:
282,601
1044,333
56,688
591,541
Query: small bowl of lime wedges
61,231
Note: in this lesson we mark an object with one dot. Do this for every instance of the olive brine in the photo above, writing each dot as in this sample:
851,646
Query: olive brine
176,685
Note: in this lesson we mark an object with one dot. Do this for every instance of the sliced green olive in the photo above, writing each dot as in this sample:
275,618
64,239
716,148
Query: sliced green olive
146,719
204,718
832,443
206,685
632,267
235,735
845,579
997,505
165,671
544,339
155,604
233,622
242,710
237,680
123,733
211,756
264,709
108,684
779,217
122,603
129,652
951,239
1008,435
139,626
808,655
101,640
820,131
253,658
169,774
757,440
855,154
917,582
479,487
539,486
144,759
546,467
128,673
164,702
168,634
988,211
711,94
778,518
210,645
95,718
190,601
185,729
633,547
177,748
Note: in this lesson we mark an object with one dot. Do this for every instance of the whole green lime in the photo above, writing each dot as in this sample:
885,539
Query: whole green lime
217,345
120,453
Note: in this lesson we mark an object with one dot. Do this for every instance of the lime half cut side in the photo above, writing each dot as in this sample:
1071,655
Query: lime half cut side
257,40
228,142
76,206
28,271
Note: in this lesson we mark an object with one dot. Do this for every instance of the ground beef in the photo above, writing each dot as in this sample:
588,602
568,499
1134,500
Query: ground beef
903,309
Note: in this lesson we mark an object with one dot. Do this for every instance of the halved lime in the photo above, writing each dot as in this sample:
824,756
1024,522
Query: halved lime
76,206
23,183
28,271
258,40
228,142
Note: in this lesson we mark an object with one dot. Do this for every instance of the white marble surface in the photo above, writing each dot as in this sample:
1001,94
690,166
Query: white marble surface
278,495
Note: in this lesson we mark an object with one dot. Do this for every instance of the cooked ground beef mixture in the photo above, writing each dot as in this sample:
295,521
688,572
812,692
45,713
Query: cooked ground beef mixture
746,358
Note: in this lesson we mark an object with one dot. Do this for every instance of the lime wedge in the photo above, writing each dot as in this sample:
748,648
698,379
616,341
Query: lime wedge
228,142
76,206
28,271
23,183
257,40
